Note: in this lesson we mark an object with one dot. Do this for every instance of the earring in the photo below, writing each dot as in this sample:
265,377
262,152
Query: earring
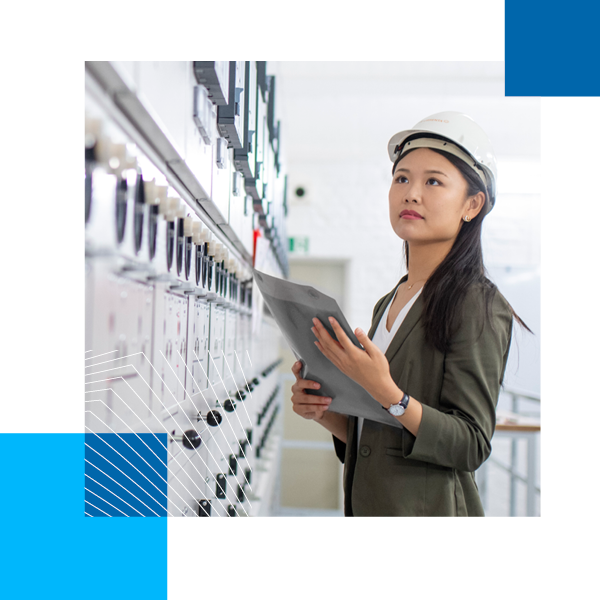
466,218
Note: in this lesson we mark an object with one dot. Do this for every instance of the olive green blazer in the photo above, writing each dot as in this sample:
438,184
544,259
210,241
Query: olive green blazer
394,473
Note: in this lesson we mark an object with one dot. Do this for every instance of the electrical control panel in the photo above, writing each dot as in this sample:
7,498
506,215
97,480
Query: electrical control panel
179,364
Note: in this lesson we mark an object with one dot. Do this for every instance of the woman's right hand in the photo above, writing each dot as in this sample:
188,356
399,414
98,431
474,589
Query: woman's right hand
306,405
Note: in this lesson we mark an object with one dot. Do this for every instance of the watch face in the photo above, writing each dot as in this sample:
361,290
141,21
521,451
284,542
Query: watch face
397,410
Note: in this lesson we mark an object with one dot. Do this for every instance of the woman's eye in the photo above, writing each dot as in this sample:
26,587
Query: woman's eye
433,181
399,180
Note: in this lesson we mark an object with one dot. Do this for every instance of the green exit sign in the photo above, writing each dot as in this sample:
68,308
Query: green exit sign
298,245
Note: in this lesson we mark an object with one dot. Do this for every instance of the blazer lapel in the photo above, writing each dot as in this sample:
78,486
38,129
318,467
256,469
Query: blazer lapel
410,320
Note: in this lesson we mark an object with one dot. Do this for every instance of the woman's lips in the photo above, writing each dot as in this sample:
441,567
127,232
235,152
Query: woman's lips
410,214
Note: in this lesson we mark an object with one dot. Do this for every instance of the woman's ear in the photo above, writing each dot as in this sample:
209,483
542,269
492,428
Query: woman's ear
476,203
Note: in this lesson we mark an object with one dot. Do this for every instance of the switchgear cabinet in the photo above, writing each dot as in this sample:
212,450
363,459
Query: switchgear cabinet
181,385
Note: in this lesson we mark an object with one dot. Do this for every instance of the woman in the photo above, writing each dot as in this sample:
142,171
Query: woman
436,353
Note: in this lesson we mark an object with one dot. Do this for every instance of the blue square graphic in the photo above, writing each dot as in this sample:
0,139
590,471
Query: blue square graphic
125,475
551,49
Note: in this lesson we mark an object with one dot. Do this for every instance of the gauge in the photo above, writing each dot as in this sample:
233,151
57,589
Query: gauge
121,207
170,243
188,243
89,168
199,263
138,219
152,230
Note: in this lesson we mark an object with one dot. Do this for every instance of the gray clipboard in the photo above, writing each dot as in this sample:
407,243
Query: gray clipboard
293,307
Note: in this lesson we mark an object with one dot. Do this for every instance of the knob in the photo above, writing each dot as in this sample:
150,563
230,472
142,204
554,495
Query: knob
190,439
241,395
255,381
213,418
231,512
229,405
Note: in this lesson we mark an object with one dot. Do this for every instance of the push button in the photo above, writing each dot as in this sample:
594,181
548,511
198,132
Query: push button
365,450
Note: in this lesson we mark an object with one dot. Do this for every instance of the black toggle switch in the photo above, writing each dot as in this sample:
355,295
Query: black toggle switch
231,512
233,463
213,418
242,448
190,439
204,508
240,493
221,485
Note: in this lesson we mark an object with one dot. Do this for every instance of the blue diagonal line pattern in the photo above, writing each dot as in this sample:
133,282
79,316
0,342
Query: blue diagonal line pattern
148,454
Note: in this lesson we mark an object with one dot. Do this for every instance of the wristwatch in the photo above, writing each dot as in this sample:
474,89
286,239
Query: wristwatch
397,410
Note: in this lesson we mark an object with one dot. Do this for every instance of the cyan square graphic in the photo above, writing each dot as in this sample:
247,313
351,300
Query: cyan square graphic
125,475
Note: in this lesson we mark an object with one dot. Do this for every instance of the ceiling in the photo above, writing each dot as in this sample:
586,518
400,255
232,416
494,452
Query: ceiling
342,111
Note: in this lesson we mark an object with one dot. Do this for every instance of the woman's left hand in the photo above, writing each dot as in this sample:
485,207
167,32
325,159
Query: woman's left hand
368,367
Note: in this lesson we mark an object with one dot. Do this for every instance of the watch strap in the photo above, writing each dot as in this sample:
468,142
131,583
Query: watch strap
403,402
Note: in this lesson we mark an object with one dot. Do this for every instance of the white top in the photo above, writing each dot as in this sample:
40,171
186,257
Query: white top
383,337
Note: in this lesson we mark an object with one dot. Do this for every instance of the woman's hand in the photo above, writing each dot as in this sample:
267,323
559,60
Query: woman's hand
306,405
368,367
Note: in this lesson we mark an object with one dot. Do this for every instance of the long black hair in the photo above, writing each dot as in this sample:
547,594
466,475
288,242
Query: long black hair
445,290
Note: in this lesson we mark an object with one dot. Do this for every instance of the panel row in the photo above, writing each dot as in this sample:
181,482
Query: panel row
175,346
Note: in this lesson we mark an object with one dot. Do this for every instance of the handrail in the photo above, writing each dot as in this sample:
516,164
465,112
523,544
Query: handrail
522,427
526,395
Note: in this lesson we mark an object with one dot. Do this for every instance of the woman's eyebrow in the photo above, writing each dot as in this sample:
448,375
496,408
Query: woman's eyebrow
428,171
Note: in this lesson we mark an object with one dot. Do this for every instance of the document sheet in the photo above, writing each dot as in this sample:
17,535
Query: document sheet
293,307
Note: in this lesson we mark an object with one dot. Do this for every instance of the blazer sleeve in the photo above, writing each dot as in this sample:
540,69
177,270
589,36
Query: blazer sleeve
458,435
340,447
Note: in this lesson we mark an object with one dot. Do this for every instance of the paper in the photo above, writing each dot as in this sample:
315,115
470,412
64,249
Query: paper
294,306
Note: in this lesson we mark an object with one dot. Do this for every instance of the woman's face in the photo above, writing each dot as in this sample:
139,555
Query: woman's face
428,184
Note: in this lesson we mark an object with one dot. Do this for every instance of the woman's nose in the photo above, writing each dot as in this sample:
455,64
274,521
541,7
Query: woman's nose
413,194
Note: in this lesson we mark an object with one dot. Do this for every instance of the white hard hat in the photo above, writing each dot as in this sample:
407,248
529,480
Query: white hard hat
465,139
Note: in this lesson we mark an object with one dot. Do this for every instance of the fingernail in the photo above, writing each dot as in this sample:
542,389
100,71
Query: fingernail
316,385
359,331
331,319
